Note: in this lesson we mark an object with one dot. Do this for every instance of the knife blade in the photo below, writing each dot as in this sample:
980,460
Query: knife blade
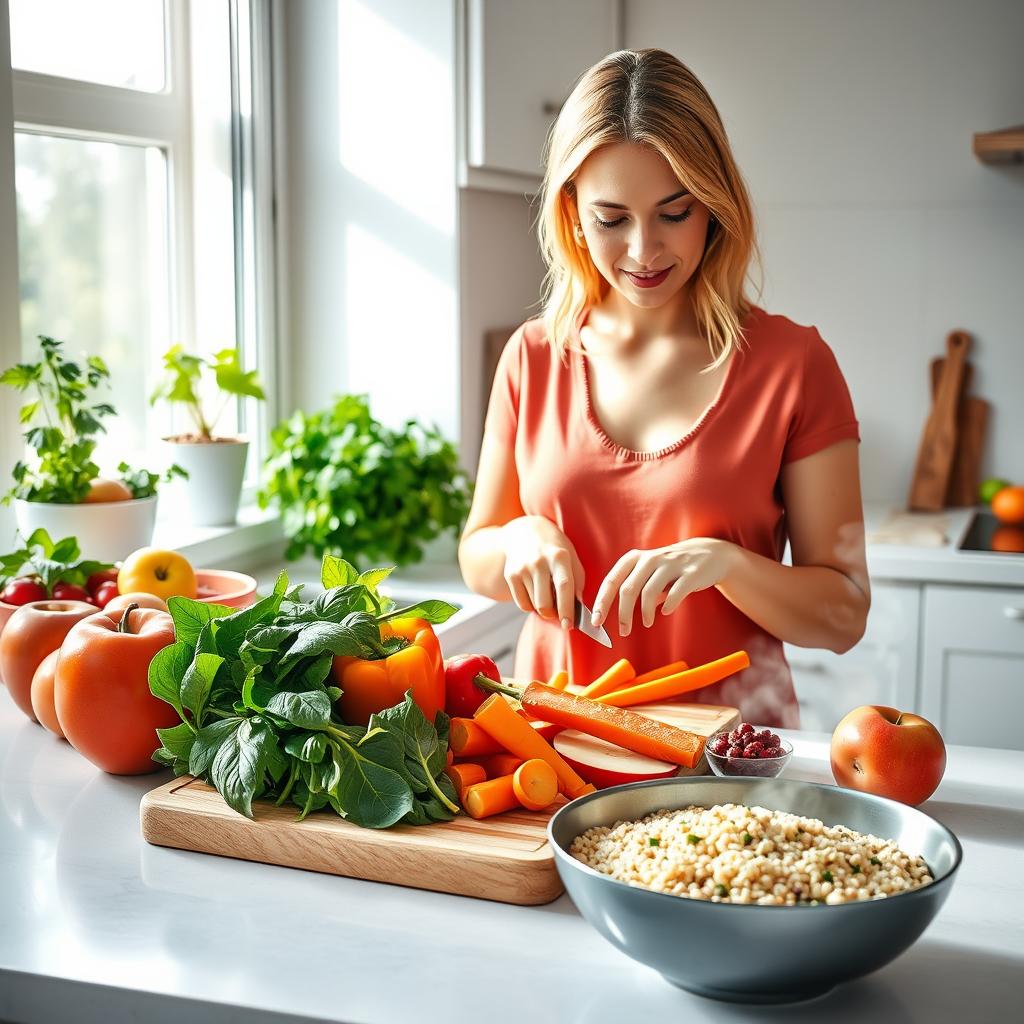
581,620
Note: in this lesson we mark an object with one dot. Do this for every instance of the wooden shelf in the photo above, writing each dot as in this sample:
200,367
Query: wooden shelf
1005,146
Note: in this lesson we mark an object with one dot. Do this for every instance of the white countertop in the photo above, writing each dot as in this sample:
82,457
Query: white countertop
97,926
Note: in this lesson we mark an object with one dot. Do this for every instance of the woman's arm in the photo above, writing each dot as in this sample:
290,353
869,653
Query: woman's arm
822,600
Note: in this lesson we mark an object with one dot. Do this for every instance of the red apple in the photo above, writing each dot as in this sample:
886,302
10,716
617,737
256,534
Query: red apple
889,753
605,764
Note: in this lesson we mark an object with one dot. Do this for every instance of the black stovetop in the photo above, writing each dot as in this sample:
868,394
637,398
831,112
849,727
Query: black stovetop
987,534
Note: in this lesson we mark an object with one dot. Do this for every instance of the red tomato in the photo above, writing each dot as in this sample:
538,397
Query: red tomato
102,693
23,590
97,579
70,592
105,593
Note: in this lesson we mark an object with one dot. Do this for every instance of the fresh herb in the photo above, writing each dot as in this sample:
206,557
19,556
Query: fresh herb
747,838
143,483
344,481
654,841
855,868
252,689
51,563
692,839
826,876
876,861
63,421
721,890
181,384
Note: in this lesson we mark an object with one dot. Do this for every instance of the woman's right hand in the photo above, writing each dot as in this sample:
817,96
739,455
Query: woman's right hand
542,570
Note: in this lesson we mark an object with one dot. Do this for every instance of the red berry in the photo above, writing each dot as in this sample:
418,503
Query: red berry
734,737
765,736
105,592
744,728
753,749
735,752
720,745
23,590
70,592
773,740
771,752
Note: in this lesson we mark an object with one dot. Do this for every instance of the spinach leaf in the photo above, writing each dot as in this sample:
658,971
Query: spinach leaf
197,683
190,617
208,741
309,710
167,670
373,796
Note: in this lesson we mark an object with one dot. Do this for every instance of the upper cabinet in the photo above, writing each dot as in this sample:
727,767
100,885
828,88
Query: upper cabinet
519,61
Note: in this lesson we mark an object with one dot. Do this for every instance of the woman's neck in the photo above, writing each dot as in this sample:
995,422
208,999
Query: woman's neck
616,318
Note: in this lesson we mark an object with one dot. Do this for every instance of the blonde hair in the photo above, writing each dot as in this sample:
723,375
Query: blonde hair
647,97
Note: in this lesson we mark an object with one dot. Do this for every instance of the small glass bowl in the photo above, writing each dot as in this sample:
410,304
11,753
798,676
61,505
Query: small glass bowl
748,767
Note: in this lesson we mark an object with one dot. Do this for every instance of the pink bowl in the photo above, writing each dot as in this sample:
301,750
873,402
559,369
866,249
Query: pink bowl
223,586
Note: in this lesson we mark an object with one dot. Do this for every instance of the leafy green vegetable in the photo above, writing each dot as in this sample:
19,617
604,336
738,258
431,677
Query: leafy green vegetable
51,562
183,379
251,690
345,482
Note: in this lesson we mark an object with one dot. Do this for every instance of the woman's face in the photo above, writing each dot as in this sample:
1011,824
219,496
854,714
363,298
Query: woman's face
637,217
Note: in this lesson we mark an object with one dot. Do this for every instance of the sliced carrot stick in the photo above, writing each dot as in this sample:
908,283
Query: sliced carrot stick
497,765
464,775
518,737
611,679
535,784
495,796
627,729
560,680
449,757
467,739
658,673
678,684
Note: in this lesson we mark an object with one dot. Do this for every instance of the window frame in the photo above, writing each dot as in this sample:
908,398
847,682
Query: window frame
46,104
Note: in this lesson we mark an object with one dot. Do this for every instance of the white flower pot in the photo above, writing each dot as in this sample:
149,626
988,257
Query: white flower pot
107,531
215,473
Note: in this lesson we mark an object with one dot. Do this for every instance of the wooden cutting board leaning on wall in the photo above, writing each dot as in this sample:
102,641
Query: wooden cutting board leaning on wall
504,858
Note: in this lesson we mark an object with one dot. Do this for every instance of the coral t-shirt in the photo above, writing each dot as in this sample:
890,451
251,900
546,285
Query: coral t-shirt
783,397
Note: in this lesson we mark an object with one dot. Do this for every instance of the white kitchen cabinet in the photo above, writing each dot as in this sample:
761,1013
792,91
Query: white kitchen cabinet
519,62
972,665
880,669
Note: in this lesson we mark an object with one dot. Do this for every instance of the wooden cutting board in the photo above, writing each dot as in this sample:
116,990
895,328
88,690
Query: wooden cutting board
972,417
504,858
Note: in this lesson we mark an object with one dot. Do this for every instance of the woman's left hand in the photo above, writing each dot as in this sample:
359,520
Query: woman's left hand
680,569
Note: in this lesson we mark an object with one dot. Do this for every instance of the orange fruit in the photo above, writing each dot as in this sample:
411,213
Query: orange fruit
1008,506
107,490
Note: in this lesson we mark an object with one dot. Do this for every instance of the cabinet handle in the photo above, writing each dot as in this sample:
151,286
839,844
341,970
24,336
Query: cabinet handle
1013,613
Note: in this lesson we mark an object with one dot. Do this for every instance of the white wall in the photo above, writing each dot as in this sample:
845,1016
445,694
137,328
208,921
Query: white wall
852,123
372,213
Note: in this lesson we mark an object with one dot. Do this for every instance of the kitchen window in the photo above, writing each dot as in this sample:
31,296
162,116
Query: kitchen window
144,178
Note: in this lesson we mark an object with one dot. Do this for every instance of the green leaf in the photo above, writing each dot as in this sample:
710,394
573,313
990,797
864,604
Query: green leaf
197,683
190,616
178,741
166,672
232,379
373,795
308,710
208,741
311,747
432,611
336,572
230,630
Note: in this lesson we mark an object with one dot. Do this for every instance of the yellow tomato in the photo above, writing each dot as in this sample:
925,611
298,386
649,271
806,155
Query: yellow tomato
154,571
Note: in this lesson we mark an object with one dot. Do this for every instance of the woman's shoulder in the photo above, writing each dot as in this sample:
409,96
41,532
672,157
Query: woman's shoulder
779,339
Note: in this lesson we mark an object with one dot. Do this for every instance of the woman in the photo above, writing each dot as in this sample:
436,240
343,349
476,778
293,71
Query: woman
654,437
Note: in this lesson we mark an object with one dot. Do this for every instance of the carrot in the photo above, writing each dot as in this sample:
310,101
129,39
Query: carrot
467,739
464,775
495,796
679,683
624,728
560,680
535,784
518,737
500,764
611,679
449,757
657,673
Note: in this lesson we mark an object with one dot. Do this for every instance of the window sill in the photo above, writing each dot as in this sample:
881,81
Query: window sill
255,536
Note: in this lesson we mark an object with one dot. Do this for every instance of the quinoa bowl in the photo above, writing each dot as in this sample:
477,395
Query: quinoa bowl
781,916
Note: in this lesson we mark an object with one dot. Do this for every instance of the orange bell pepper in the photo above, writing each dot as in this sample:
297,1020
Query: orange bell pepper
369,686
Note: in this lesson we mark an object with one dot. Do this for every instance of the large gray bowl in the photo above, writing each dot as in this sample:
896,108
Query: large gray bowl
744,952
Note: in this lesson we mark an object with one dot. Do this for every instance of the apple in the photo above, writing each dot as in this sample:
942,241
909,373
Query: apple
154,571
889,753
605,764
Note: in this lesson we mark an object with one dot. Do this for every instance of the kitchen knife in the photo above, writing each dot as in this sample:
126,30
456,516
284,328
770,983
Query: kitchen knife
581,617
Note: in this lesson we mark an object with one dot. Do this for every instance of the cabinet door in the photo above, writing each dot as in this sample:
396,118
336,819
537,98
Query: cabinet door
880,669
522,60
972,666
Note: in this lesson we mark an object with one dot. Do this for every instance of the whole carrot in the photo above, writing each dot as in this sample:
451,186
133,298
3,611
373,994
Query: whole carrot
676,685
611,679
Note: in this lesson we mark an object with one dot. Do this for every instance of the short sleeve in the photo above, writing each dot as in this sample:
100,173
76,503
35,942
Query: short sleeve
824,411
503,408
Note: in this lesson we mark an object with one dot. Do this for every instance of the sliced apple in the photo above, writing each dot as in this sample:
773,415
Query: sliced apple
605,764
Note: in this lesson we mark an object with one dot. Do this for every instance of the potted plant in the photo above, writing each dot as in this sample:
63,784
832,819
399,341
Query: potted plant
60,488
347,485
215,465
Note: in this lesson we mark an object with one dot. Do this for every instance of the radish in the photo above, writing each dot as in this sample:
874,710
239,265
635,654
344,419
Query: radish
605,764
